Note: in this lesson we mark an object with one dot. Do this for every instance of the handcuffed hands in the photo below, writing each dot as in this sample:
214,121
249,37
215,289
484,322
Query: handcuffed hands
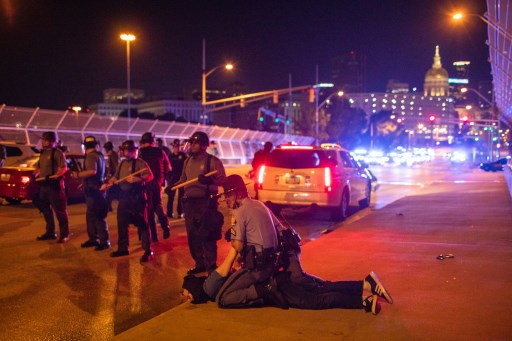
205,180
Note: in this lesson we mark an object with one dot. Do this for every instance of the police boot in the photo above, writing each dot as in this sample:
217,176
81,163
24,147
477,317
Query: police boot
271,295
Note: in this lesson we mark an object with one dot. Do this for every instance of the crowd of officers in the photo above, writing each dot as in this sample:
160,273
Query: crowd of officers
269,270
136,179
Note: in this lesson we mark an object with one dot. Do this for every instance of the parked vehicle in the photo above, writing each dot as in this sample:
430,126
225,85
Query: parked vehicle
17,152
17,182
325,176
494,165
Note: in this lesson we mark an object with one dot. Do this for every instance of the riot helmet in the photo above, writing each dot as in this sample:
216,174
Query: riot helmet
90,142
147,137
108,145
129,145
50,136
176,143
200,137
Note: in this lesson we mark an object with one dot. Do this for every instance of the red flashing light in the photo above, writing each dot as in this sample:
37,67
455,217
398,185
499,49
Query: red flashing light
261,173
25,180
432,118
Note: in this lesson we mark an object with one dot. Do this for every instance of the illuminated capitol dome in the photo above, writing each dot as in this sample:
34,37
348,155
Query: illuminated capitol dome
436,79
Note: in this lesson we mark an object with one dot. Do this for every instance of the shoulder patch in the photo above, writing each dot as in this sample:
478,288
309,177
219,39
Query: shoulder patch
233,232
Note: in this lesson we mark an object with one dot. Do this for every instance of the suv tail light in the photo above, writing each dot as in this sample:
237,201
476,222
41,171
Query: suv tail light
261,173
25,179
327,179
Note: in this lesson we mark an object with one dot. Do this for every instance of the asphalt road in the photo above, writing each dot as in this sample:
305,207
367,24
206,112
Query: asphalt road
53,291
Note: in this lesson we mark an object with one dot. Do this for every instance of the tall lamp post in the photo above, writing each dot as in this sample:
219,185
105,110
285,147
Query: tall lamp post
500,29
128,37
321,105
205,74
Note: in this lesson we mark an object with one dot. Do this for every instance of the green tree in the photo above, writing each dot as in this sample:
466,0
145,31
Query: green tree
346,125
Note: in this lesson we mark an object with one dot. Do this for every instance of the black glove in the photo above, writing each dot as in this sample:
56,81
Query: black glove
227,235
205,180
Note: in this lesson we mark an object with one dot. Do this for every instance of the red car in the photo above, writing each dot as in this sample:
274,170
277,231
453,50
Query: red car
17,182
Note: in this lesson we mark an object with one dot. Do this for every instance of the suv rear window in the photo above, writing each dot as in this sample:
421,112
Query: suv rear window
297,159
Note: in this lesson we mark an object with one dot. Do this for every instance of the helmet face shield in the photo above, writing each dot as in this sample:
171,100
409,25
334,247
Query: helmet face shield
201,138
50,136
129,145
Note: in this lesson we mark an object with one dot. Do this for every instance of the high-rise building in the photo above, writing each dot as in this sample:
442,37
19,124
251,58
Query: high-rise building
349,72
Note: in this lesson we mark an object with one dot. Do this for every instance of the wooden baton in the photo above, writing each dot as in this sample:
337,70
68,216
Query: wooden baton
188,182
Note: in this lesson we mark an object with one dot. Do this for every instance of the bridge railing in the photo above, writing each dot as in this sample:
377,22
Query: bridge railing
26,125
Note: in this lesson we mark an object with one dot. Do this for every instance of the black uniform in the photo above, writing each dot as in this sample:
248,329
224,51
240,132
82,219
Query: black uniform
97,207
177,161
52,197
159,165
132,205
110,170
197,204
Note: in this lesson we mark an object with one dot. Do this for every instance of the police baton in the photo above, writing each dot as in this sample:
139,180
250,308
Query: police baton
52,177
191,181
107,185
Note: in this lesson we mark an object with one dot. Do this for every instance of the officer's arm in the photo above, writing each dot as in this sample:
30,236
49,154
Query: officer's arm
147,176
237,245
225,268
220,176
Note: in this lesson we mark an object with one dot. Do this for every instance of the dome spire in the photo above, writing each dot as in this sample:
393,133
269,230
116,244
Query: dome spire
437,59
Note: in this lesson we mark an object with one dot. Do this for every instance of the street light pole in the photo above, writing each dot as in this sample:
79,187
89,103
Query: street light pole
128,38
205,74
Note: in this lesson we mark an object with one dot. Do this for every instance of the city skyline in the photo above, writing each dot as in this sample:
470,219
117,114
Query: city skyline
56,55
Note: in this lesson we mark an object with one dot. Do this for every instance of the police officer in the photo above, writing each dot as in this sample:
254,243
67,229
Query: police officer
254,237
197,202
132,203
160,144
50,170
92,178
160,166
111,167
177,159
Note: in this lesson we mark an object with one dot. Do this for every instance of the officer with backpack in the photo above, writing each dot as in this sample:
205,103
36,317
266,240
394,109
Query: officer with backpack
96,204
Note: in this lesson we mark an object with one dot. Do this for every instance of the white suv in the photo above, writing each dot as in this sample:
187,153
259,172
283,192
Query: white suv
326,176
17,152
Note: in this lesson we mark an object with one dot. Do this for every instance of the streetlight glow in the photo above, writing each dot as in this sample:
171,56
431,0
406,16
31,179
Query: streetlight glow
229,66
127,37
458,16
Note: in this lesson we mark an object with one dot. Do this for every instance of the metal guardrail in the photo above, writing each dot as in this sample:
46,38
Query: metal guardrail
26,125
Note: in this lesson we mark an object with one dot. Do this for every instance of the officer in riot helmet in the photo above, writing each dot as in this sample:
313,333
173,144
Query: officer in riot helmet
110,169
131,176
96,204
177,159
49,173
199,205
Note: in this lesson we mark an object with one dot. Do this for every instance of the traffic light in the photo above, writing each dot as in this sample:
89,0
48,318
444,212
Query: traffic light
242,103
287,120
432,119
275,98
312,95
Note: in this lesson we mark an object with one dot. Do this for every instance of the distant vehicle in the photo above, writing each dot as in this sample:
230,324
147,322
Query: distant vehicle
326,176
495,165
17,182
17,152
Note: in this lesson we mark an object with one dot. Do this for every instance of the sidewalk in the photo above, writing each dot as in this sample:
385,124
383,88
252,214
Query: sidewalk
464,298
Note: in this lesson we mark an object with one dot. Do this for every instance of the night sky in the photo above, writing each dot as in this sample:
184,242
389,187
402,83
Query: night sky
60,53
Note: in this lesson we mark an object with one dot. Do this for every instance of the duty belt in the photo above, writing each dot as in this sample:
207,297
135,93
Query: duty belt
258,260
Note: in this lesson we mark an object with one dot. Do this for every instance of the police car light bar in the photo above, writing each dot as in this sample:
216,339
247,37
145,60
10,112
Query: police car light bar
297,147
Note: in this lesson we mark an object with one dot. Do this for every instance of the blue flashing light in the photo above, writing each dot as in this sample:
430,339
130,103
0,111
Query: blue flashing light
277,120
261,119
287,121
